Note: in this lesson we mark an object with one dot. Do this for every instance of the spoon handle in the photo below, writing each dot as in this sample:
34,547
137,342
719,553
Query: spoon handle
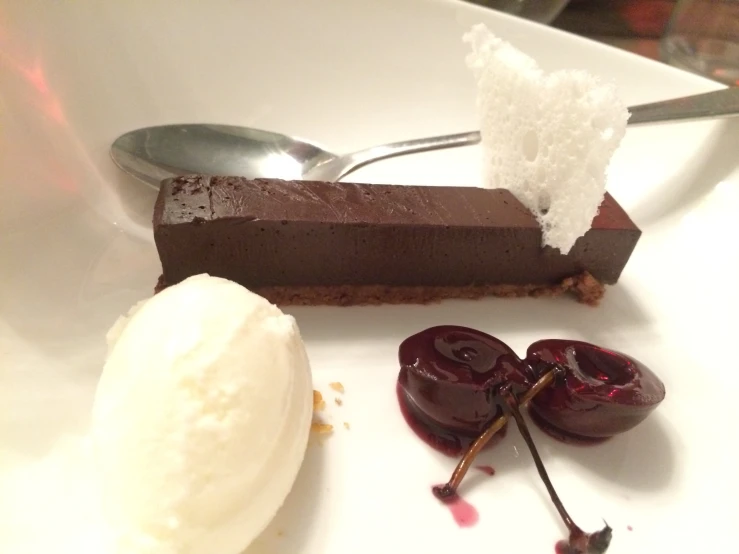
337,168
720,103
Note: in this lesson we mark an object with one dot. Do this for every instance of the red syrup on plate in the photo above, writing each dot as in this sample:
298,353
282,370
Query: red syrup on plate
464,513
487,470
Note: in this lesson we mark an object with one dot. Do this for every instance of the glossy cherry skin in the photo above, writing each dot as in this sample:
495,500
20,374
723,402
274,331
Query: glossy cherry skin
449,377
603,393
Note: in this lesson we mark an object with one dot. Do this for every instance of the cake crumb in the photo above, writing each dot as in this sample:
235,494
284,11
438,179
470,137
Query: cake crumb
337,386
321,428
319,404
338,401
346,425
317,426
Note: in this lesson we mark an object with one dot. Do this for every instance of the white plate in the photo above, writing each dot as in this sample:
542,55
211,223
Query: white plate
76,251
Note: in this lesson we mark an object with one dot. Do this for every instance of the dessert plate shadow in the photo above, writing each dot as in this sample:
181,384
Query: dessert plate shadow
618,312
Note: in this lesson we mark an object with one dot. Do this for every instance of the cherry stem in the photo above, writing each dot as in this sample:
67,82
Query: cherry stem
580,542
450,488
513,408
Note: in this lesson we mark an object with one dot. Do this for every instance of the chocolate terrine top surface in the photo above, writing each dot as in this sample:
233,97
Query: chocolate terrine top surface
211,198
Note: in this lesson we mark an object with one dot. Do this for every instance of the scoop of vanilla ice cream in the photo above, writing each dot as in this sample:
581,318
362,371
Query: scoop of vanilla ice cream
201,419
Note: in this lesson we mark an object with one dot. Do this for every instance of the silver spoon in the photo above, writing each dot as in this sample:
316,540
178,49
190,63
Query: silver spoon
152,154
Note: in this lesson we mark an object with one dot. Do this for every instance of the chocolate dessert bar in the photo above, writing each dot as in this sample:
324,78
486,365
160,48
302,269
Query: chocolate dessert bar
306,242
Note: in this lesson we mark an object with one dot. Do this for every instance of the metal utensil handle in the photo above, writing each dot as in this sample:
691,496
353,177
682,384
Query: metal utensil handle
719,103
348,163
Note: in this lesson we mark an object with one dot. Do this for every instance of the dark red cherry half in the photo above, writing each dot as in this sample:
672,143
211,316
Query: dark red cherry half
603,392
448,382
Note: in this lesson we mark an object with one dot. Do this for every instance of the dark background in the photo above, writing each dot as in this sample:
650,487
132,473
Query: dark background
626,18
635,25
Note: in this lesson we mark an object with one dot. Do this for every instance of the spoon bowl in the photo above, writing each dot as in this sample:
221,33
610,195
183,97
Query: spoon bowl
153,154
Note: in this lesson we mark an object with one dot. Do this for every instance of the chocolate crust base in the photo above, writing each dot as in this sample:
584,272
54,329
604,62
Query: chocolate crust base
584,287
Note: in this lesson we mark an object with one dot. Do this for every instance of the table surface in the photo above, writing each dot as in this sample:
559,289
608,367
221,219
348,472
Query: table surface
634,25
647,47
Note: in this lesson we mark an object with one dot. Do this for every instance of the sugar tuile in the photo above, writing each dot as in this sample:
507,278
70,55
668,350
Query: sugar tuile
547,137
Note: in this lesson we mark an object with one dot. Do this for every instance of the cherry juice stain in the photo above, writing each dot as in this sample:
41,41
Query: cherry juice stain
487,470
464,513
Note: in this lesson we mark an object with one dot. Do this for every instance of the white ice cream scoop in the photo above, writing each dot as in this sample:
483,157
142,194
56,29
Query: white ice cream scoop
201,419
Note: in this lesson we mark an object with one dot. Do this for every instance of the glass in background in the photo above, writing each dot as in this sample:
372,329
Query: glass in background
543,11
703,37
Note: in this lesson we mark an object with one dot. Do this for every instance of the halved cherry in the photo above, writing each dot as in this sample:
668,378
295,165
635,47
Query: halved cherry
602,392
448,382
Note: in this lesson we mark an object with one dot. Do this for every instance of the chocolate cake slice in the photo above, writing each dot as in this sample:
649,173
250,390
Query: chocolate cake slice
306,242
